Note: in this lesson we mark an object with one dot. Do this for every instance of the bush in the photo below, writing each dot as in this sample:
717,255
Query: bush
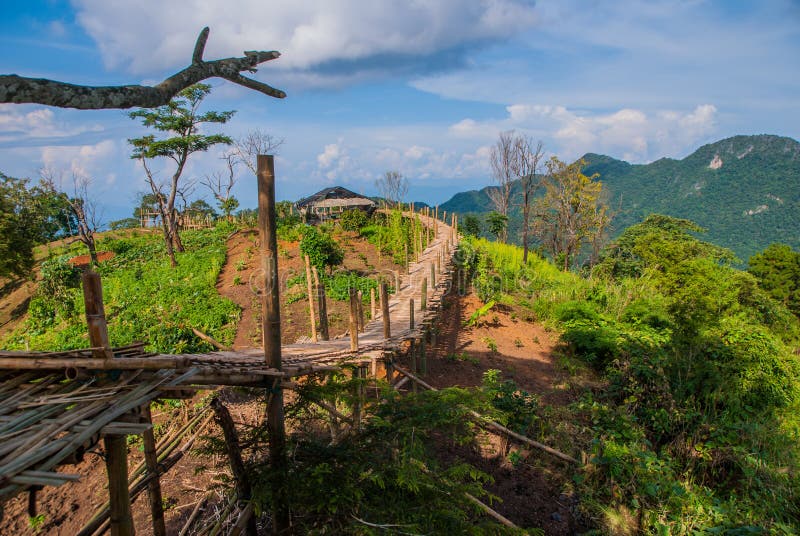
321,248
353,220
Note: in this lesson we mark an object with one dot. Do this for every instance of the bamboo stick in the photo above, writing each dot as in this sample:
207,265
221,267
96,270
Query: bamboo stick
210,340
387,327
372,303
495,425
423,305
353,321
154,485
310,285
323,306
63,363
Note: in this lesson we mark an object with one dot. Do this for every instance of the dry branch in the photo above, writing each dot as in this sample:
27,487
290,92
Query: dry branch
19,89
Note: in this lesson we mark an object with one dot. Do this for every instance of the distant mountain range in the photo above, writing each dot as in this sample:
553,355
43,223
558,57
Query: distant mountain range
745,190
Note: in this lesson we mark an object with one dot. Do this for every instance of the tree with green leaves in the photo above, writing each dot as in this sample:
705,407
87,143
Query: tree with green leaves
777,270
471,225
29,216
572,211
498,224
180,120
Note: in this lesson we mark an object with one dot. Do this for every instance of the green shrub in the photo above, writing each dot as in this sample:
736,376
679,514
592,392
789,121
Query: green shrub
322,249
353,219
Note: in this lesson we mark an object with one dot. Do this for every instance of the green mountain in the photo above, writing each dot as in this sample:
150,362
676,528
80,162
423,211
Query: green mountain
745,190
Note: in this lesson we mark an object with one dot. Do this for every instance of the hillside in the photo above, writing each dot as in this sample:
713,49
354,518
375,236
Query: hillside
745,190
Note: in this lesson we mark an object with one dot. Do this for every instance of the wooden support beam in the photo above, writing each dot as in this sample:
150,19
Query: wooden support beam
271,328
353,320
311,298
424,291
360,310
433,276
117,467
154,483
387,326
372,310
411,313
323,306
96,314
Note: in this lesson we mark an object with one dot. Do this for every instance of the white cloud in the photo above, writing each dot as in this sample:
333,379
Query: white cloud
630,134
308,33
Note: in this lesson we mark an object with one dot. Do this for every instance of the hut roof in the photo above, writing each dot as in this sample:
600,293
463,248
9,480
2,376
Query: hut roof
335,196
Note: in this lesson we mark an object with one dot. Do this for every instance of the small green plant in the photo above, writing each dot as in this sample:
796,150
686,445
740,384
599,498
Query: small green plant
463,356
240,265
475,318
518,343
490,343
36,523
295,297
237,280
515,458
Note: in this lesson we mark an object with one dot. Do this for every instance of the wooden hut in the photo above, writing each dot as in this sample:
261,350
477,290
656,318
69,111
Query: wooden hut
331,202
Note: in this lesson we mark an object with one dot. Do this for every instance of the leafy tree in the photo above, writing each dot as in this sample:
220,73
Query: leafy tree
572,212
321,248
201,207
498,223
28,216
777,270
471,225
180,119
659,242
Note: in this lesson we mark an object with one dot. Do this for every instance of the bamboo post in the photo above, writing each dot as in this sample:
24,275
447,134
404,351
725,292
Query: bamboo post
433,276
360,304
387,328
423,305
96,314
322,306
408,265
310,285
271,329
423,359
411,314
396,282
154,483
413,352
119,498
372,303
353,321
243,489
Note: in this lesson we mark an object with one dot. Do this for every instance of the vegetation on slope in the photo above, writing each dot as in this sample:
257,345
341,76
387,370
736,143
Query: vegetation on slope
696,430
145,298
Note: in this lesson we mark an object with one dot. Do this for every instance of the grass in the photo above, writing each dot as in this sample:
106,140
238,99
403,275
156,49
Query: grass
145,299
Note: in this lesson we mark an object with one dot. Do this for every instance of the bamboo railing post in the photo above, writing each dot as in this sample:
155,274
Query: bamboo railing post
433,276
423,359
353,321
396,282
311,297
271,329
154,484
360,303
423,305
408,265
322,306
372,310
96,314
411,314
387,328
119,498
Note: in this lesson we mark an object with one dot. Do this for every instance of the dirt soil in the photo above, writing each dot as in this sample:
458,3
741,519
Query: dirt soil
15,295
239,279
534,492
82,261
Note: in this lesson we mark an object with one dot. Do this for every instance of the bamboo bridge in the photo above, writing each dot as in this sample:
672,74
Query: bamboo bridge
56,406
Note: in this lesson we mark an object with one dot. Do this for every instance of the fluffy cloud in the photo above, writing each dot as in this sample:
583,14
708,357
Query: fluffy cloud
309,34
630,134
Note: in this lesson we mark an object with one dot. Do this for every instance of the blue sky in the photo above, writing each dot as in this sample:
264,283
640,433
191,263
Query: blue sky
421,87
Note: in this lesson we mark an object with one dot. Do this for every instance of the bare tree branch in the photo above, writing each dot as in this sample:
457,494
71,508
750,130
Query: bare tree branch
253,144
19,89
393,187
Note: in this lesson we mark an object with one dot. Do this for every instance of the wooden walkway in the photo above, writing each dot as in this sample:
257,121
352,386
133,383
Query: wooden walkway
55,406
